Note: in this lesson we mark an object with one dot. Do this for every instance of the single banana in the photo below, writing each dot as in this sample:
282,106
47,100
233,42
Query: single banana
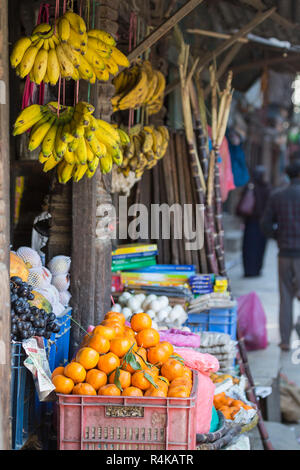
106,164
53,69
19,50
46,45
40,66
107,127
94,59
76,22
79,172
119,57
64,29
65,171
71,54
42,158
65,64
42,28
85,70
69,157
103,36
76,40
50,163
90,172
39,132
111,66
97,147
28,61
81,151
34,111
49,139
102,75
99,46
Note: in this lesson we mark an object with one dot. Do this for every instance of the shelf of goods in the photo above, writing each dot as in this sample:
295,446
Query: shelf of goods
222,320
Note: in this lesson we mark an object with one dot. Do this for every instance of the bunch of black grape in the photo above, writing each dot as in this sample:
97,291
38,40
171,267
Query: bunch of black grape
28,321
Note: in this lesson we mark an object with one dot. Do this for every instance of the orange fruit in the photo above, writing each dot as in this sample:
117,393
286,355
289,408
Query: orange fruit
187,372
58,371
99,343
147,338
109,390
237,403
75,371
158,354
108,362
107,332
87,357
120,345
96,378
181,381
140,381
129,368
84,389
168,346
234,410
124,378
172,369
181,391
129,332
155,392
140,321
115,316
118,327
132,392
63,384
247,407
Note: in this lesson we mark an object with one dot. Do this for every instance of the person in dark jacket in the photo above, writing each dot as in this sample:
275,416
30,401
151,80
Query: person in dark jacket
281,221
254,240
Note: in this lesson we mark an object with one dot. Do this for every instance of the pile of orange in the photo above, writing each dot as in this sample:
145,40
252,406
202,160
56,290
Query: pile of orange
219,378
118,360
228,406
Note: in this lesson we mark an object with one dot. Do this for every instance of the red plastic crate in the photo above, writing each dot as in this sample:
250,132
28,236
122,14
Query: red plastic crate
94,423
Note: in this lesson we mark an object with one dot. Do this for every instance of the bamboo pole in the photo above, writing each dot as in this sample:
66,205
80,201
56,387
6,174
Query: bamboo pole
215,34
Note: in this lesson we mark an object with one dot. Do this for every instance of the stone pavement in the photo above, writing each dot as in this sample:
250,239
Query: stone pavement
266,364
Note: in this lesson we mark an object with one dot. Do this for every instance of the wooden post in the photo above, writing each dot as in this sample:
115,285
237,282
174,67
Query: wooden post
5,428
91,249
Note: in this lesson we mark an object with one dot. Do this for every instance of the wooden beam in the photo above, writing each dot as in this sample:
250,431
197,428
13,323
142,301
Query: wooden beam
5,367
164,28
259,5
263,62
214,34
258,19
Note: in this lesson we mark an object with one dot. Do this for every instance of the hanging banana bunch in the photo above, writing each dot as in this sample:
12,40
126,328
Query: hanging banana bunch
144,147
74,141
69,50
138,86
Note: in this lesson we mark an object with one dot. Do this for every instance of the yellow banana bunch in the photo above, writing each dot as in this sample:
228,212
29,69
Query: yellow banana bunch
146,145
140,85
74,141
69,50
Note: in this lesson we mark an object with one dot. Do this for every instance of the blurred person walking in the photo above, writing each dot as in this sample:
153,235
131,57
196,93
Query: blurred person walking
251,208
281,221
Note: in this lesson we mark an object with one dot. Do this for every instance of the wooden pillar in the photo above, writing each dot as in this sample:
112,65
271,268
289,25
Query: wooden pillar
91,247
4,234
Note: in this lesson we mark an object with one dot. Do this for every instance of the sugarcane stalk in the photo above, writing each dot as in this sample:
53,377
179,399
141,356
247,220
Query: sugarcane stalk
201,139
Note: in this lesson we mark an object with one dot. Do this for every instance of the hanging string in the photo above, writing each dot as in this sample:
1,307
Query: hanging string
76,88
59,80
88,12
27,98
132,43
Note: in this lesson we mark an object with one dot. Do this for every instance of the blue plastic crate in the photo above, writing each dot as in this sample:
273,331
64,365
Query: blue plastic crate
22,397
221,320
57,348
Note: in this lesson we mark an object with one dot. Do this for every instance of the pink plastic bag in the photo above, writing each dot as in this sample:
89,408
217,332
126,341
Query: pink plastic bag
205,364
180,338
252,322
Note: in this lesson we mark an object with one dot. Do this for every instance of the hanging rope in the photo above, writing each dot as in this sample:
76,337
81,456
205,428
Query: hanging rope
43,16
132,44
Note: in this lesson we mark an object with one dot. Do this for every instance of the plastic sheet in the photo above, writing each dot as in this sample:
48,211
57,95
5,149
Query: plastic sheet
252,321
